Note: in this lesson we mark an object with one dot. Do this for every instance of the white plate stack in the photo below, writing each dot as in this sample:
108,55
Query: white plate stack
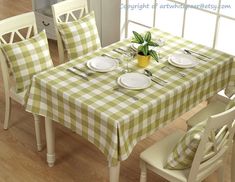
134,81
182,60
102,64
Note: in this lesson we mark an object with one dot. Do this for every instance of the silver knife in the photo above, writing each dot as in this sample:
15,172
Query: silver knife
198,54
123,50
106,55
75,73
119,52
157,82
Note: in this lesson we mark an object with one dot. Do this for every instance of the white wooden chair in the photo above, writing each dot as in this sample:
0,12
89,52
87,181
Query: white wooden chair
154,158
66,11
14,29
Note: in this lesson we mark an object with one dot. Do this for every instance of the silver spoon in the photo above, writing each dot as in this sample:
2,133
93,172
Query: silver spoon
148,72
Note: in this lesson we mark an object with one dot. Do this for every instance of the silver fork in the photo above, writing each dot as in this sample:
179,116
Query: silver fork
88,73
167,68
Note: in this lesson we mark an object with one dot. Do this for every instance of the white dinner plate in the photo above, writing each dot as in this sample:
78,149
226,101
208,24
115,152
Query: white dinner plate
134,81
102,64
182,60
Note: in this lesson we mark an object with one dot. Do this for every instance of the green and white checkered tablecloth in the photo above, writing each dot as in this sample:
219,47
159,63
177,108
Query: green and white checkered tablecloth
115,122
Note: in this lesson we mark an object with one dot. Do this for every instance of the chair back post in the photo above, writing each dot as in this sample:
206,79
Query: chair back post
5,75
61,50
12,26
65,9
215,122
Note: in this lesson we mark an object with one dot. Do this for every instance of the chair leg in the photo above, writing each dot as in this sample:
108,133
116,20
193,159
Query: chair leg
143,173
233,160
38,131
7,112
114,172
221,174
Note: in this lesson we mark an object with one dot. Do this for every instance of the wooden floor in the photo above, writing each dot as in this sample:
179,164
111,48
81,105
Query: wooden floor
77,159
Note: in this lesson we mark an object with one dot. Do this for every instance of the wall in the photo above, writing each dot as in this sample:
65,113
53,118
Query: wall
108,19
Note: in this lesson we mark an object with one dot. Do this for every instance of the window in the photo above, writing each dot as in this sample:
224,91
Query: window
208,22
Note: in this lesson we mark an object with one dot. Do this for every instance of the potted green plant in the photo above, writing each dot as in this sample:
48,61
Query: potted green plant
144,51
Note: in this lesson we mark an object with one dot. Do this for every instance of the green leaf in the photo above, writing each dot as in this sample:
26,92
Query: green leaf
154,55
147,37
138,37
151,43
140,48
145,50
134,41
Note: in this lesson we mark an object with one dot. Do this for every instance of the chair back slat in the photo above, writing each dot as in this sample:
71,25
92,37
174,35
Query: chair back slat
29,32
67,17
21,36
59,20
3,40
12,37
74,17
219,131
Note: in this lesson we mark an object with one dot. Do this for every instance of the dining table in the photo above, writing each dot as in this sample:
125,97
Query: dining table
115,120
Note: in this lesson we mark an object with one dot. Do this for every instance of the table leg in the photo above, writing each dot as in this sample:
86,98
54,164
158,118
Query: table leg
50,139
114,173
233,162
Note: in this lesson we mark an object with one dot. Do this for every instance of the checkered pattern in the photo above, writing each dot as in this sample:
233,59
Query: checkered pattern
28,57
113,121
80,37
183,153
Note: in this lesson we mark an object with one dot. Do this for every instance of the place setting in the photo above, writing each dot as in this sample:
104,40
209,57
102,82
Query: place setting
182,61
101,64
132,81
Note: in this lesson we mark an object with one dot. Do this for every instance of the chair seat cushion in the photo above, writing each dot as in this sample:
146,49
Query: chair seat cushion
80,37
27,58
19,97
156,156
